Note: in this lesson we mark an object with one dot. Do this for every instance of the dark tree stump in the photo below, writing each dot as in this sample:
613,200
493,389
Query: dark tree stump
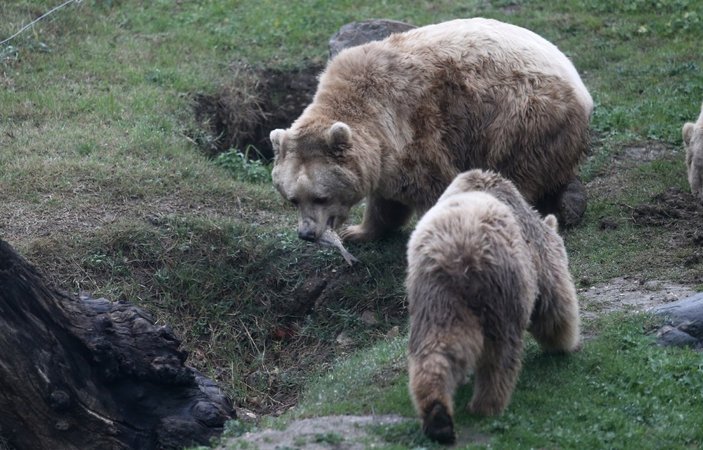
358,33
86,373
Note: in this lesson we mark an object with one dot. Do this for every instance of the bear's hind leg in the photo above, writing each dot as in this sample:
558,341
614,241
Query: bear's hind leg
380,217
432,387
437,367
496,376
555,322
567,203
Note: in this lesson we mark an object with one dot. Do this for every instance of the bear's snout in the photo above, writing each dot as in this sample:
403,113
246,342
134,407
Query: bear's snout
307,231
307,235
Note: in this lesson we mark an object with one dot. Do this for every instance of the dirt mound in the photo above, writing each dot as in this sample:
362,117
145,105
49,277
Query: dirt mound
675,210
242,112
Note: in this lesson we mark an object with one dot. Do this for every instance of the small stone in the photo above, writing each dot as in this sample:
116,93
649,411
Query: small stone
670,297
651,285
246,415
368,317
393,332
344,340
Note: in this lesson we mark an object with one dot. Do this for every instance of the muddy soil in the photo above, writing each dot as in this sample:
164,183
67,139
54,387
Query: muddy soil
243,111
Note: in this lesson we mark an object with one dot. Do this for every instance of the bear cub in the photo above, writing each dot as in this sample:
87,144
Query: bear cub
693,141
483,267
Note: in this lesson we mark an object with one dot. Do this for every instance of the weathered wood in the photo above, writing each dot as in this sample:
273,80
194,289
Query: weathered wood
86,373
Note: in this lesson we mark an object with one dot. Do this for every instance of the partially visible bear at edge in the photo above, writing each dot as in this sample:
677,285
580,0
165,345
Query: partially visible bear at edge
482,268
394,121
693,141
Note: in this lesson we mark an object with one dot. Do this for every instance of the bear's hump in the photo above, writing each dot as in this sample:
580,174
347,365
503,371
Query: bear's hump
500,42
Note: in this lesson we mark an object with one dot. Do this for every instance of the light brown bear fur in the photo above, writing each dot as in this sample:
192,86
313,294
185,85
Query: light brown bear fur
394,121
693,141
482,268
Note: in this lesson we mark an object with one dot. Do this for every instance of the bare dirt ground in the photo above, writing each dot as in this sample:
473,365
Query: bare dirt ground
629,294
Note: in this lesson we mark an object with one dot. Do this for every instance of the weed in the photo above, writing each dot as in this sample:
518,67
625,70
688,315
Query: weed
243,168
328,438
236,428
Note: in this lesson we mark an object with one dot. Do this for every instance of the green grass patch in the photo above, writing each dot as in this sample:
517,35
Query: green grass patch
620,391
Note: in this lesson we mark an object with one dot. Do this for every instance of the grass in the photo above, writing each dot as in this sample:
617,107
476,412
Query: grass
103,186
620,391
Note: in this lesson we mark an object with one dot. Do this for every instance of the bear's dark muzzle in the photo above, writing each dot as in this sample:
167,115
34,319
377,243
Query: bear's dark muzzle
307,235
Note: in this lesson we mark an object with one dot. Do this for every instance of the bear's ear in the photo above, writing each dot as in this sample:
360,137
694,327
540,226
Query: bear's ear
276,137
339,136
552,222
687,133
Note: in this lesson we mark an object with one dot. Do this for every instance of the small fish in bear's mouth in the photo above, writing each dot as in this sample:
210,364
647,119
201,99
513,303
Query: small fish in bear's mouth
331,239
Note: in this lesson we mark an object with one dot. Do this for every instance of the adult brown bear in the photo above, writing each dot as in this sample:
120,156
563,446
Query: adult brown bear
394,121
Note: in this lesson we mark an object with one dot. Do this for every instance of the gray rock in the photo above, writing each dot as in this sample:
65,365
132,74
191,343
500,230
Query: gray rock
684,322
357,33
319,433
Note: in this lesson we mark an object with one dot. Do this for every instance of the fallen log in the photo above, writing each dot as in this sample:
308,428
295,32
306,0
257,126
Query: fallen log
88,373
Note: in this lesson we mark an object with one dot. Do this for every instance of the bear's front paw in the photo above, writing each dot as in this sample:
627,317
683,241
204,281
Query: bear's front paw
355,233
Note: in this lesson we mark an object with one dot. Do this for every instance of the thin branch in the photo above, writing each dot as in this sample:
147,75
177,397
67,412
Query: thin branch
66,3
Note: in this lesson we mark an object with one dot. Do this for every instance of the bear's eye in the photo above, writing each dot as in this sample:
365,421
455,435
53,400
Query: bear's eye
294,201
320,200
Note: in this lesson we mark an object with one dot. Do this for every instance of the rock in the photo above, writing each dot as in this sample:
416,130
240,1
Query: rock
344,340
393,332
683,322
320,433
357,33
673,337
368,317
